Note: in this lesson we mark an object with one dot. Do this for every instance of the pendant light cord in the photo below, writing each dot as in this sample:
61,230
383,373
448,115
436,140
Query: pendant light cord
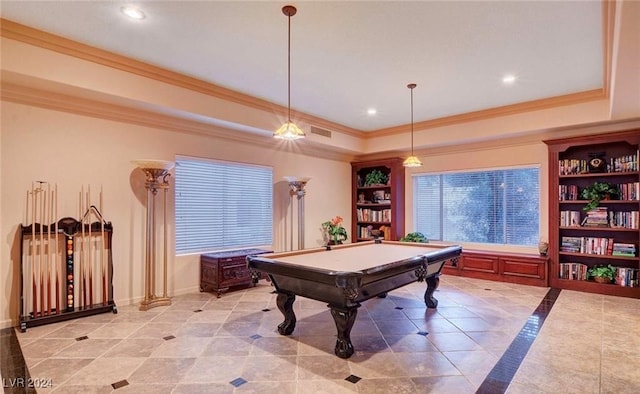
289,70
412,120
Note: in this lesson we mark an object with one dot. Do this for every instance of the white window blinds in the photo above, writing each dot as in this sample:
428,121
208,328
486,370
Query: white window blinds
495,207
222,205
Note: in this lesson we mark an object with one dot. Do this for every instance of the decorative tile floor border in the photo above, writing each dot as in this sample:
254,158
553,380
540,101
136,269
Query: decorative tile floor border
498,380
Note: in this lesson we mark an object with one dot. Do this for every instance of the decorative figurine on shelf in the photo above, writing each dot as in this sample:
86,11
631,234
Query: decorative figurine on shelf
361,198
334,231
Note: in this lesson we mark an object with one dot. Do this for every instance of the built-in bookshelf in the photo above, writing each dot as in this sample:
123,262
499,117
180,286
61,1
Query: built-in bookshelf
378,199
582,237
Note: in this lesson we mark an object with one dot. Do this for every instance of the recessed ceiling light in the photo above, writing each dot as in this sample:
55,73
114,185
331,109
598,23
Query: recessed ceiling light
508,79
371,111
133,12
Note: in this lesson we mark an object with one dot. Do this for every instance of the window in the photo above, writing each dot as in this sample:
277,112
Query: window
222,205
494,207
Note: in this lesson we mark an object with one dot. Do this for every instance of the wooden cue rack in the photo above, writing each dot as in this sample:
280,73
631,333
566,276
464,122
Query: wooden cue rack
66,270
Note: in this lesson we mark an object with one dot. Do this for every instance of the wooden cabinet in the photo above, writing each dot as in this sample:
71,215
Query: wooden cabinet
378,199
223,270
519,268
577,242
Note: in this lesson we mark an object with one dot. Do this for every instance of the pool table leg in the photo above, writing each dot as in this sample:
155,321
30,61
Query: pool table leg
344,319
285,304
432,285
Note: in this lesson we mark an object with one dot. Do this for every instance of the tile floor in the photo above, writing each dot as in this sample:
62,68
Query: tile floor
582,343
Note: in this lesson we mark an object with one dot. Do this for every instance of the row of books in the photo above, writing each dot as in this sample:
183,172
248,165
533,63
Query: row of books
625,277
568,192
629,191
626,192
624,249
365,232
570,218
597,245
615,219
573,271
626,163
373,215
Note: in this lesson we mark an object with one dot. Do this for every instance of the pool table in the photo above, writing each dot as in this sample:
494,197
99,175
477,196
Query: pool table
345,275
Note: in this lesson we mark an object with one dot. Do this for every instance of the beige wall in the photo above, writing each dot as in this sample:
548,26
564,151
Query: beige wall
74,151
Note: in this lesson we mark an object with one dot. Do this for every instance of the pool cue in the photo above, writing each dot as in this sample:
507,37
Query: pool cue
90,243
49,206
102,245
33,251
41,250
55,260
84,283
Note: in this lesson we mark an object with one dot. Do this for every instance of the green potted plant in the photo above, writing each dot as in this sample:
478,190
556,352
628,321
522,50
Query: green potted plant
414,237
597,192
376,177
602,273
334,231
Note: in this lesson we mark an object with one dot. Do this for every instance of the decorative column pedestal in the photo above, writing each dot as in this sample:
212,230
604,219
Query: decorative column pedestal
157,172
296,189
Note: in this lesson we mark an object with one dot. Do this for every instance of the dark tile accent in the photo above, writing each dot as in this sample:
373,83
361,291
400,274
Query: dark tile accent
488,289
237,382
198,310
82,338
15,374
169,337
353,378
423,333
399,308
498,380
256,336
266,310
119,384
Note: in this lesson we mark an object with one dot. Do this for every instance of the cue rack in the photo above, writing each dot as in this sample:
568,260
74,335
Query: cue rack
66,268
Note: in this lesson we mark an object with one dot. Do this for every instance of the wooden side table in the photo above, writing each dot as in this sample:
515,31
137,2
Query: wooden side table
222,270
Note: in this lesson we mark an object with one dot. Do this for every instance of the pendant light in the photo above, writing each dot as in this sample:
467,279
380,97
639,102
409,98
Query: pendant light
289,131
412,161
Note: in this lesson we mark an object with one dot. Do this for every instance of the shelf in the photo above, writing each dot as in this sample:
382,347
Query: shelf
584,202
373,187
599,229
600,175
619,150
599,256
391,211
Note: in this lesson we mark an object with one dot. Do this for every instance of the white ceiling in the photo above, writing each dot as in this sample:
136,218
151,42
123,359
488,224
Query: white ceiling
348,56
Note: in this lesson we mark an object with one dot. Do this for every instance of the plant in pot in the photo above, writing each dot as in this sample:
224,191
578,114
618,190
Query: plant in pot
376,177
597,192
414,237
602,273
334,231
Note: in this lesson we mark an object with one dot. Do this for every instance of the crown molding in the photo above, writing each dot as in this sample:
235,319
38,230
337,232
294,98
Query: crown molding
513,109
83,106
18,32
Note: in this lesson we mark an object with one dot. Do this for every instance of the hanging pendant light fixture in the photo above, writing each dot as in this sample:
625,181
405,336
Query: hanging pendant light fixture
289,130
412,161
